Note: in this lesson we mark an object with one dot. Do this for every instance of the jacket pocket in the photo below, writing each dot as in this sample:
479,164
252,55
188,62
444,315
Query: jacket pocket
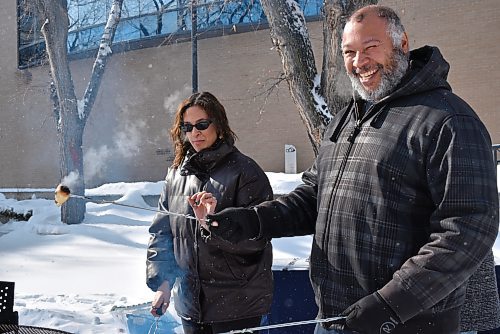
236,269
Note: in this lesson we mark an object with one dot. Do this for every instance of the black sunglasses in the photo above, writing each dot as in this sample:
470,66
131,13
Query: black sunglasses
201,125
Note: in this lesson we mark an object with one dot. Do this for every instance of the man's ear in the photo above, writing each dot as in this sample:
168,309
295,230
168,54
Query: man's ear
404,43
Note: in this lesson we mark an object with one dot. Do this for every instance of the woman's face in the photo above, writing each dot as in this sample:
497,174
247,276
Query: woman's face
199,139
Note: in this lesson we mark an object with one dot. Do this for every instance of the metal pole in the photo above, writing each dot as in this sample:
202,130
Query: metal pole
339,320
194,45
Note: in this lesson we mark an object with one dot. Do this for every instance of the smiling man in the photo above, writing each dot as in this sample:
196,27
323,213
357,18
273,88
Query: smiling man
375,61
402,198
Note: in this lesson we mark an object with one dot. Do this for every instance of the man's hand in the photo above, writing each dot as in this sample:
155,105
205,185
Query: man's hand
235,224
371,315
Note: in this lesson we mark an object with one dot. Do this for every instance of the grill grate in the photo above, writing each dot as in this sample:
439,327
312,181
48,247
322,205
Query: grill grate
14,329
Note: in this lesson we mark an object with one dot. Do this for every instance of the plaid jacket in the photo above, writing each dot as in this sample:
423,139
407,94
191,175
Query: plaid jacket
403,201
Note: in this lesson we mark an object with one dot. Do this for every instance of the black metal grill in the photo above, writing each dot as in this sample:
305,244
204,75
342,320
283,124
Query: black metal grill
7,314
15,329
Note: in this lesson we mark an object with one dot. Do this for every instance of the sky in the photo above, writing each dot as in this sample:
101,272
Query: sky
88,278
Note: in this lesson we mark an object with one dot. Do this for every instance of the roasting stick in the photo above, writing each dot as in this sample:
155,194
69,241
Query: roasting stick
287,324
62,194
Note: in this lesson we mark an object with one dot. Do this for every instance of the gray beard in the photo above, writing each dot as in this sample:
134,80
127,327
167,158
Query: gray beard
390,78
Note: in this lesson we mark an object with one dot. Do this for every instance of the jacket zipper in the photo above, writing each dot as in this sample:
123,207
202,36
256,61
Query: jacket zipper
196,250
352,136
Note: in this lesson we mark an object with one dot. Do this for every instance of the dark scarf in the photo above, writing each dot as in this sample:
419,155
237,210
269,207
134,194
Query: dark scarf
201,163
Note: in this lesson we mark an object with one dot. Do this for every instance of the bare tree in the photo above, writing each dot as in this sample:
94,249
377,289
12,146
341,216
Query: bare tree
317,96
71,114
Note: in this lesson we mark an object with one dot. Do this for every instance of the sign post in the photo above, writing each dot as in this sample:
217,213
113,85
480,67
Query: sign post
290,159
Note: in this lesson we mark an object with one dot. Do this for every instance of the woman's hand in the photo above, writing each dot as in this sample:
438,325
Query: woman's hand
203,203
161,300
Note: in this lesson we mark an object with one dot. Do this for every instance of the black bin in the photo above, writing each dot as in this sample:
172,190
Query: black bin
293,301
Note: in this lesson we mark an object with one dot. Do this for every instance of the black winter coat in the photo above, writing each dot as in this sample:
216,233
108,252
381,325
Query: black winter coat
215,280
402,201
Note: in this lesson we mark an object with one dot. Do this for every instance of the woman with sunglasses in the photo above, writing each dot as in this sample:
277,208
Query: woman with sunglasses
217,286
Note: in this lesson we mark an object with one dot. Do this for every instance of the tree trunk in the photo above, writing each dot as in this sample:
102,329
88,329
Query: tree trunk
291,39
335,85
70,115
69,125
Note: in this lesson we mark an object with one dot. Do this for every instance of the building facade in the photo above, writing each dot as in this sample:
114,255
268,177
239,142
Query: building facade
126,137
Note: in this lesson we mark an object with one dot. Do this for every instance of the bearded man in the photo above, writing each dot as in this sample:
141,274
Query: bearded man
402,198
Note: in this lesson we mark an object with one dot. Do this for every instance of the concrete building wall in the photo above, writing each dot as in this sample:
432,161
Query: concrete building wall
126,137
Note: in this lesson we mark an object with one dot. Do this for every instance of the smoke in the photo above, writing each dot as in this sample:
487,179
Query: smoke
95,161
171,102
126,143
71,179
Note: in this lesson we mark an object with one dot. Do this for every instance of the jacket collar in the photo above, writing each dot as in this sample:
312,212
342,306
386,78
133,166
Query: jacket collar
201,163
428,71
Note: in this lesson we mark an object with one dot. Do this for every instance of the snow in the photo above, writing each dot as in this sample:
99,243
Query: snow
74,277
78,278
298,19
319,101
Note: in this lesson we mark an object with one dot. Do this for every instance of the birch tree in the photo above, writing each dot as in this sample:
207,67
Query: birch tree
71,114
317,95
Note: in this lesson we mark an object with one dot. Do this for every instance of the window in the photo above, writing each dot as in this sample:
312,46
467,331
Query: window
31,46
156,21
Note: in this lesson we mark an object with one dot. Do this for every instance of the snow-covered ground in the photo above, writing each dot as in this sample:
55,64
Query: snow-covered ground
77,278
71,277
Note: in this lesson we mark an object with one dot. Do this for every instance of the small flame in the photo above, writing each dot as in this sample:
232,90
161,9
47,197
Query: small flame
61,194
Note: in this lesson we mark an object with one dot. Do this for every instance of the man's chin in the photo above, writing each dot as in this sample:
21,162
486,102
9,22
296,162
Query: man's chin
366,91
371,85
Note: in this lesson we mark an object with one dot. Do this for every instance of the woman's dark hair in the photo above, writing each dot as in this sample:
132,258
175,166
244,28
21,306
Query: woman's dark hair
215,111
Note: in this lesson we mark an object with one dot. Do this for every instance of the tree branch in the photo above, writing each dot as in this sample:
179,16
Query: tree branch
290,37
101,60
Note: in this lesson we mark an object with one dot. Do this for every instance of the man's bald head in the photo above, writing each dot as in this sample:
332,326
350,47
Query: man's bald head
395,28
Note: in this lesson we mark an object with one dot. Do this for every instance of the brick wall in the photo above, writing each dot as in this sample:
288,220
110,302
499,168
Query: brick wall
126,137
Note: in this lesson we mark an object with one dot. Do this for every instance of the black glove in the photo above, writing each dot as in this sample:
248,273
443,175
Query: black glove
371,315
235,224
